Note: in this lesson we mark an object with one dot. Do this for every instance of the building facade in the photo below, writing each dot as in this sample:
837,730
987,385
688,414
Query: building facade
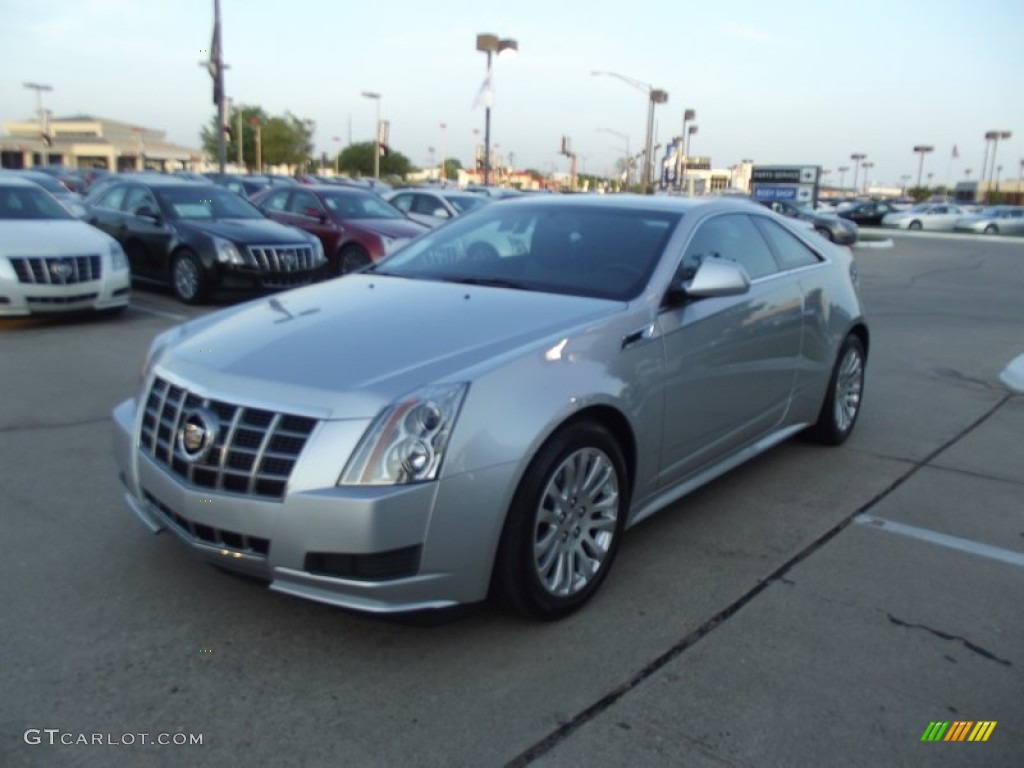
84,141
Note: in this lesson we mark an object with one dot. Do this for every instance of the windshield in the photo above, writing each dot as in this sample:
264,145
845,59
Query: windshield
360,205
29,203
920,208
463,203
205,202
600,252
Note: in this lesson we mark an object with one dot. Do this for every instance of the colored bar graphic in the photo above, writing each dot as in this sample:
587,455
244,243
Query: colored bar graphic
959,730
935,731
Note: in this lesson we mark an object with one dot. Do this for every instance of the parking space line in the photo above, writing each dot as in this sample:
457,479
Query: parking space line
944,540
159,312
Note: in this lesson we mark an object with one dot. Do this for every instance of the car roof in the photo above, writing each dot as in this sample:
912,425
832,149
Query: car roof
16,180
163,182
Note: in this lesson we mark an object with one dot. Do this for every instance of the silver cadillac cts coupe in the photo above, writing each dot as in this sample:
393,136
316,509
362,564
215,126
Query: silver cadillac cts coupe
491,407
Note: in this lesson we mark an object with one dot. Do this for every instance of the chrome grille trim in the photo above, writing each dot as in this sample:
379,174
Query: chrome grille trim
282,258
57,270
254,453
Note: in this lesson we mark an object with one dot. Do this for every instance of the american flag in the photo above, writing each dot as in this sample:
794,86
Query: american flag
956,152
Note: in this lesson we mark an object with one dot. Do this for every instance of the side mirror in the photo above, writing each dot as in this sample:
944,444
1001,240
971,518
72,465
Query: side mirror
714,277
147,212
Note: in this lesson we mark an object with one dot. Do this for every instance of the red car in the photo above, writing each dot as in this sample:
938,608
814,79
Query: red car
355,227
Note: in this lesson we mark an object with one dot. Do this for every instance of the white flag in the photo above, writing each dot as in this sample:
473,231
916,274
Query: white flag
486,93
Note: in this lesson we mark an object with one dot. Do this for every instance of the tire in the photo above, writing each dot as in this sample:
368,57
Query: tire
564,525
914,225
839,412
825,232
187,279
991,229
352,258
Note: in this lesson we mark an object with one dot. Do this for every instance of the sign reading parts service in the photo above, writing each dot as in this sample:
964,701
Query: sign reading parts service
785,174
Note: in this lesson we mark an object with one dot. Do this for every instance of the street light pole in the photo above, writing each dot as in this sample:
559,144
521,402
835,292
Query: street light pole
922,150
376,134
44,132
442,174
856,157
629,165
654,96
688,114
491,44
842,175
996,136
866,165
686,155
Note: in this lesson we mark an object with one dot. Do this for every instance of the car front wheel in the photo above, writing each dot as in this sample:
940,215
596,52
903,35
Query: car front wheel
187,278
842,403
991,229
914,225
352,258
564,524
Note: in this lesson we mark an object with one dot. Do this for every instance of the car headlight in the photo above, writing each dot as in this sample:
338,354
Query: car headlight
118,261
388,243
156,351
318,251
227,252
76,209
406,443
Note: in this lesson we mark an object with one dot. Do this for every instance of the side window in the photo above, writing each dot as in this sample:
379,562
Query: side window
402,202
113,198
791,252
734,237
137,198
276,200
302,202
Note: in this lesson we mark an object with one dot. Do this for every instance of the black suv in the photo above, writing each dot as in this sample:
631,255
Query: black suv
197,237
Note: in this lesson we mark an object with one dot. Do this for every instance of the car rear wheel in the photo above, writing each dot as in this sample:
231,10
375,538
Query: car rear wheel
563,528
991,229
187,278
915,224
352,258
842,403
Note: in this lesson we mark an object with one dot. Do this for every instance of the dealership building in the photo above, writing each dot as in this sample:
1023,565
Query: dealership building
84,141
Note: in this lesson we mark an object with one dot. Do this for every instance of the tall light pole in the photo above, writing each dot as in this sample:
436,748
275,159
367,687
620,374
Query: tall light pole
867,165
337,153
376,134
921,149
688,114
856,157
906,177
491,44
624,137
442,174
842,174
995,136
654,96
44,132
686,155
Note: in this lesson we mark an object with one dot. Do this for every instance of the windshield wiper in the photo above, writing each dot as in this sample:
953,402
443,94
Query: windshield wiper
493,282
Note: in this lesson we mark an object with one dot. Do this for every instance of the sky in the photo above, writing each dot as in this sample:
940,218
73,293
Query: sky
782,82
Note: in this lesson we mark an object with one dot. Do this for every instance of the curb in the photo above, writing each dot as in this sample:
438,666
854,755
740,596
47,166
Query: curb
955,236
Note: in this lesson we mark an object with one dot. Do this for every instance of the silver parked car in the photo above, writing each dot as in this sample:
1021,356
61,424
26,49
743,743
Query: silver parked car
996,220
935,216
525,384
434,207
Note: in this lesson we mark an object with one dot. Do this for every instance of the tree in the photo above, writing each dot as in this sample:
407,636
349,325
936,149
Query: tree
358,159
452,166
285,140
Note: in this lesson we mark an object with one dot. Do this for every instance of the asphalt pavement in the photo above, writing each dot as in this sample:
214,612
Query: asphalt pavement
814,607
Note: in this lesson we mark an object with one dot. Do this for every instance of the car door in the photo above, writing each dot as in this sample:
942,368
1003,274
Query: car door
730,361
274,205
307,213
147,237
105,212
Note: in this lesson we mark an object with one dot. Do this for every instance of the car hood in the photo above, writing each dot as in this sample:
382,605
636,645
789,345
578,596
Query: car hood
390,227
348,347
51,237
246,231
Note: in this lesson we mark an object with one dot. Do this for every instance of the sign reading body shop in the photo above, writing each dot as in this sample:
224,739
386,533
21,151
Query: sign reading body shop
798,183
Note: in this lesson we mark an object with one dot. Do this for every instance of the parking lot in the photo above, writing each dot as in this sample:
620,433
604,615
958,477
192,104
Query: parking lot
814,607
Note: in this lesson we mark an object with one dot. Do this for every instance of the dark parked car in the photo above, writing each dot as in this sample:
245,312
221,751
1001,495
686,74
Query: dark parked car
870,213
199,236
355,227
244,186
66,176
833,228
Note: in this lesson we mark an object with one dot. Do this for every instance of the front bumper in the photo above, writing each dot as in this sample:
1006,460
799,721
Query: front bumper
20,299
374,549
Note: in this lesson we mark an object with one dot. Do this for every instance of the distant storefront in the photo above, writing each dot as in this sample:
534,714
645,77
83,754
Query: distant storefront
92,142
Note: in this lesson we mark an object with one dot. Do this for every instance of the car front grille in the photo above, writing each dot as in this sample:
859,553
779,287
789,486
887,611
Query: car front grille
253,453
56,270
282,258
218,537
62,299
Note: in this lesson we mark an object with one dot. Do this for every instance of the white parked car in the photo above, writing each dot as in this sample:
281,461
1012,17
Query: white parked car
935,216
51,261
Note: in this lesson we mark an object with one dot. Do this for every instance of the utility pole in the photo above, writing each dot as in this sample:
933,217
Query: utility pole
44,128
238,138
